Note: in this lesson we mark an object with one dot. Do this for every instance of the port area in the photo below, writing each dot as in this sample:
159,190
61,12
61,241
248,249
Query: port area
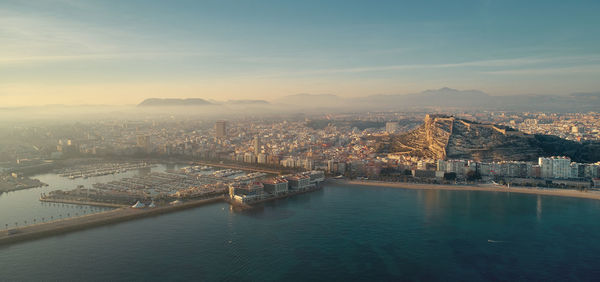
238,205
14,182
122,214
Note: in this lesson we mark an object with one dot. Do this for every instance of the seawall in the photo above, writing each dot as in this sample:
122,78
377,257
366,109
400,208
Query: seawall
57,227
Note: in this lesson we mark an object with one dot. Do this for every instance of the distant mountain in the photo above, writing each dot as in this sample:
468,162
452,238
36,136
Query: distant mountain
445,97
475,99
157,102
311,96
247,102
447,137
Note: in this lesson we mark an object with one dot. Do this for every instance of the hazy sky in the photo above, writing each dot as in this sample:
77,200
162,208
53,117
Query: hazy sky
120,52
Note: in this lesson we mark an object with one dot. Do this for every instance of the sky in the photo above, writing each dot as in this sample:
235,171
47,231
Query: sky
121,52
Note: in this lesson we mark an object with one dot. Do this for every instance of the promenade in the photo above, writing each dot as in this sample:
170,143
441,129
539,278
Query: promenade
56,227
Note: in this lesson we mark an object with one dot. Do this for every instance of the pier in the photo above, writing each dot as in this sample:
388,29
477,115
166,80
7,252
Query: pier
62,226
77,202
120,214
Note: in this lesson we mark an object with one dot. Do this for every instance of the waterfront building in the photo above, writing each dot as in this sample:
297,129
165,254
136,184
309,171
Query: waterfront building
316,176
441,165
484,169
298,182
419,173
561,167
276,186
591,170
576,170
545,167
330,166
536,171
246,192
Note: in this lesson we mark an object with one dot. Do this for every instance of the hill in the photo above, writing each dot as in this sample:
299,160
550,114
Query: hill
446,137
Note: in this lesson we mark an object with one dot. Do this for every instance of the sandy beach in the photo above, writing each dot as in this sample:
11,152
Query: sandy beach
481,187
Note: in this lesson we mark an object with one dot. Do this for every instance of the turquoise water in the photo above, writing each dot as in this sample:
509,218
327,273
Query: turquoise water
339,233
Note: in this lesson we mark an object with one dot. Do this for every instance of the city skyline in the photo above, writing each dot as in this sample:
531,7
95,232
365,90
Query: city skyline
92,52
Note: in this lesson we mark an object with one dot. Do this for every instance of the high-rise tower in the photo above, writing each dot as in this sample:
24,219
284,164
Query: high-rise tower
221,129
257,145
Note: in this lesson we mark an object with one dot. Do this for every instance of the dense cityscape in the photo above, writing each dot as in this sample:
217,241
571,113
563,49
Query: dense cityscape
312,140
338,144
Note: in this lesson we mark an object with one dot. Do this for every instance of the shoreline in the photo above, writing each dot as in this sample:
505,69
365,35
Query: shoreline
522,190
57,227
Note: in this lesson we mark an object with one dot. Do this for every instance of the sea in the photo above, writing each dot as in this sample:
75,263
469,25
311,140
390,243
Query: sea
339,233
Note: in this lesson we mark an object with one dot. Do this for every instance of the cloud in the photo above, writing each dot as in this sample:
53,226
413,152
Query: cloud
99,56
496,63
548,70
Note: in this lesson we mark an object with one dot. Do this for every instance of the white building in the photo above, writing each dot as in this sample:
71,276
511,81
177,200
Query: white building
561,167
545,167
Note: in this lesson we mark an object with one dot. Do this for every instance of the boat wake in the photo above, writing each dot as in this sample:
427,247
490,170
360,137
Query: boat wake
494,241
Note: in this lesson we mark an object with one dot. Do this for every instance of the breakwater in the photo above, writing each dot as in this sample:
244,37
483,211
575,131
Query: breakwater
57,227
118,215
75,202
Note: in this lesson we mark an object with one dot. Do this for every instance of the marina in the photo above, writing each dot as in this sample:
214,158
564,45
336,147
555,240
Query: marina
100,169
192,182
81,203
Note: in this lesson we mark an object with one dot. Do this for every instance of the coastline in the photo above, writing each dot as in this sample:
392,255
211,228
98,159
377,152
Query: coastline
63,226
522,190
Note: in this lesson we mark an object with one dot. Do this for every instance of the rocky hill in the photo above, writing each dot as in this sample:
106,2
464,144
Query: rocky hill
445,137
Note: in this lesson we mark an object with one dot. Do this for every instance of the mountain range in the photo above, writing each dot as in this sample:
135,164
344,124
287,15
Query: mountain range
159,102
439,98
